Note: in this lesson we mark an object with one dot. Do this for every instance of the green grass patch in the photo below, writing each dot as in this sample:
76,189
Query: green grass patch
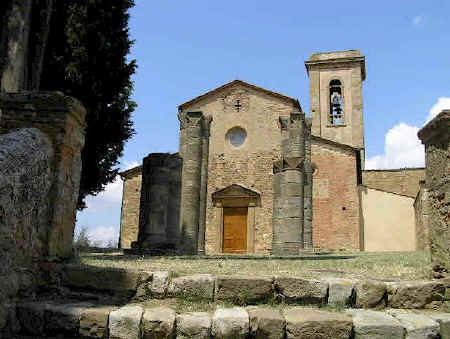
382,266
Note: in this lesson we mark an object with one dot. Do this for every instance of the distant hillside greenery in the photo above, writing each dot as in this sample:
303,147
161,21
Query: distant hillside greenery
86,57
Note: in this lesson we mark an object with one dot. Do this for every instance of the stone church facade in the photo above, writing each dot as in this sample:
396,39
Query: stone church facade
255,175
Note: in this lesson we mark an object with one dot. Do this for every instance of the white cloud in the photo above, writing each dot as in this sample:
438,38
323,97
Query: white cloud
417,20
441,104
101,236
130,165
111,197
402,147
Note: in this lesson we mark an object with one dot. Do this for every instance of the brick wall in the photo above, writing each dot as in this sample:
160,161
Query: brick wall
400,181
129,223
336,206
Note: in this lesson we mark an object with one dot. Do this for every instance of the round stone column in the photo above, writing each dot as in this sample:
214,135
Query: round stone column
308,190
289,188
191,126
204,184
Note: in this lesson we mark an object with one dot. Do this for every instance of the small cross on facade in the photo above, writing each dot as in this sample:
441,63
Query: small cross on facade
238,105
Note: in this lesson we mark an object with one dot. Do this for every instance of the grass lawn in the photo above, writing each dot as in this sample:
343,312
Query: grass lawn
390,266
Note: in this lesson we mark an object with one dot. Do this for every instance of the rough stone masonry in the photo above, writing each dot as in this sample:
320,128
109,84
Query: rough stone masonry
435,135
41,138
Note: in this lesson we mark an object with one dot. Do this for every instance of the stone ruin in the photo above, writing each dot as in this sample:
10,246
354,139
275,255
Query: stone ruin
436,207
41,138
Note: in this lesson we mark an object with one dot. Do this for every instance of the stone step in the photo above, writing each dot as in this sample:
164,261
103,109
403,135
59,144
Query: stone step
140,285
47,319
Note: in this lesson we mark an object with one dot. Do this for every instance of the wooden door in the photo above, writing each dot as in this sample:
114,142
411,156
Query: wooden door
235,230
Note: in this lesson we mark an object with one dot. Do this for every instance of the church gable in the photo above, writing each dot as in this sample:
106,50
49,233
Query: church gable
234,95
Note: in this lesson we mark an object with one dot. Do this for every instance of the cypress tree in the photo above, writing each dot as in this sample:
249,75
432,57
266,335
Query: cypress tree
86,57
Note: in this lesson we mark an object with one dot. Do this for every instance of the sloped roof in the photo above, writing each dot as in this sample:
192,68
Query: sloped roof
244,84
334,143
131,172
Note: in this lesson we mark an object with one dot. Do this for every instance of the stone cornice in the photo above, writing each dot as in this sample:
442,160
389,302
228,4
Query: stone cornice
437,129
132,172
338,62
44,101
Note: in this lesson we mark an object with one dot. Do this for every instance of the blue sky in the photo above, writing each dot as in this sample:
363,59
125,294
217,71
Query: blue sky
185,48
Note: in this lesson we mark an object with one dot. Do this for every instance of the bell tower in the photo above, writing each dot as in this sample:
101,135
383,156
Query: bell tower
336,97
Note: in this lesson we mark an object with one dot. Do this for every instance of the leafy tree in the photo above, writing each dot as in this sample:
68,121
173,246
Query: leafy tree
81,239
86,58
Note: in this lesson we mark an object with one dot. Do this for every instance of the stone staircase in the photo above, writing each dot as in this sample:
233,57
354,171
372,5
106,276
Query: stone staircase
92,302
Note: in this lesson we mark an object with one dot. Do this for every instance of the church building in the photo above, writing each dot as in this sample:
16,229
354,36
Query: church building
254,174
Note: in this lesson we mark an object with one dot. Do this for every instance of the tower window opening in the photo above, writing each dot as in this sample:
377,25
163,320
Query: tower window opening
336,103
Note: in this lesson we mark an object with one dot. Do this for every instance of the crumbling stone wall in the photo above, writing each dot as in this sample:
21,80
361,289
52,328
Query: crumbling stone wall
26,158
61,118
41,137
435,135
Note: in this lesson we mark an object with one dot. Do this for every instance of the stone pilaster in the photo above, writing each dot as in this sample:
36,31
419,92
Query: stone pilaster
204,183
308,189
62,119
191,129
288,188
435,135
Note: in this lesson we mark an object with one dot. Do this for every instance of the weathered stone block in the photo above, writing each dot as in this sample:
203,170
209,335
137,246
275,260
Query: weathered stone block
369,324
302,290
63,319
266,323
243,289
230,323
417,325
339,291
196,325
160,283
416,294
309,323
125,323
158,323
194,286
370,294
117,280
444,323
94,321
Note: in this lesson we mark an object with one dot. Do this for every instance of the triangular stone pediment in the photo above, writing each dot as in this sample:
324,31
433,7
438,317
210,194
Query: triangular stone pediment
240,88
235,191
236,196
